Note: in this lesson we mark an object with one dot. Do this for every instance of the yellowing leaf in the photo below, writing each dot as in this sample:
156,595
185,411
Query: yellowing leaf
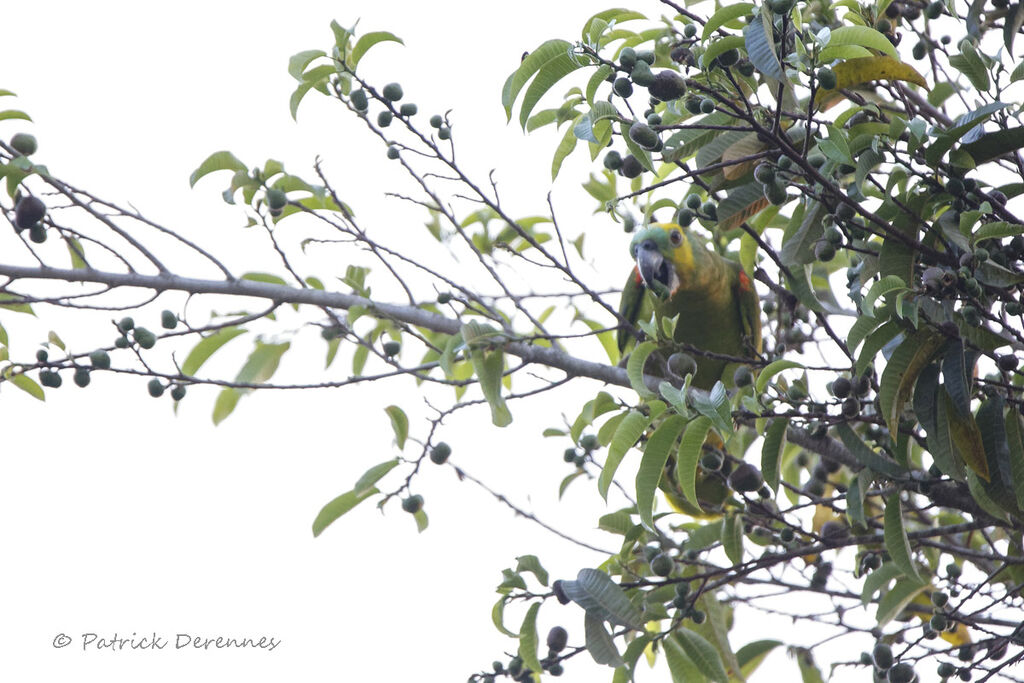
854,72
744,147
967,439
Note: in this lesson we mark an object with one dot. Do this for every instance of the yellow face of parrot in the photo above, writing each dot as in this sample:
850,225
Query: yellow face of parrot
664,258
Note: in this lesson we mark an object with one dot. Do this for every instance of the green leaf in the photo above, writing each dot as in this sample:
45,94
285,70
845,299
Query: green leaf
902,370
993,145
861,328
855,498
373,475
399,424
548,75
225,404
721,45
628,433
28,385
656,452
368,40
715,406
863,36
681,667
264,277
202,351
970,64
528,639
489,367
752,654
771,451
527,68
599,642
1015,440
564,149
901,595
702,653
498,616
337,507
896,537
9,114
874,343
689,457
530,563
864,454
298,62
594,591
724,15
218,161
772,369
77,253
732,537
262,363
761,49
421,520
887,284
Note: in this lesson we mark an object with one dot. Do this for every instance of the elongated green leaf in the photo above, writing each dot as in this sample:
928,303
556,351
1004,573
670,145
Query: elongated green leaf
864,455
77,253
855,499
863,36
896,537
721,45
861,328
373,475
498,616
995,144
702,653
752,654
877,580
874,343
1015,440
28,385
732,537
887,284
548,75
564,149
489,367
218,161
339,506
680,665
262,363
528,638
772,369
901,595
202,351
724,15
656,453
628,433
529,66
689,457
599,642
399,424
902,371
368,40
9,114
225,404
298,62
970,64
594,591
771,451
760,48
530,563
635,369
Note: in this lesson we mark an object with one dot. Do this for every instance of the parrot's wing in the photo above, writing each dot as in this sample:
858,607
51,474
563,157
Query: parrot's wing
634,306
750,308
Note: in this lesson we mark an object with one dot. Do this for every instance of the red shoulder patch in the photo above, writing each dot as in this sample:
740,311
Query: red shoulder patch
745,284
636,275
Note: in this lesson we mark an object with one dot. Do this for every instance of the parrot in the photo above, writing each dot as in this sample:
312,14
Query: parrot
718,310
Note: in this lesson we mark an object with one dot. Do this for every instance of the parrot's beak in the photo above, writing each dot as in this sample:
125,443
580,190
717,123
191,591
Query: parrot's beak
653,267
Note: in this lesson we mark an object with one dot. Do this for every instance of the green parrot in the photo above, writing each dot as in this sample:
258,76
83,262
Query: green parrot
718,311
715,300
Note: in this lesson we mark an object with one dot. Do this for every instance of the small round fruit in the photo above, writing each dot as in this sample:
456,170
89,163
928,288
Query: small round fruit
37,233
393,152
712,462
391,348
707,105
934,9
81,377
42,355
359,100
392,92
883,25
786,535
556,669
613,160
276,199
693,201
841,387
413,503
558,638
684,217
642,75
764,173
667,86
144,338
444,132
775,193
178,392
24,143
126,324
559,590
851,407
826,78
881,655
729,57
834,532
384,118
946,669
920,50
28,212
862,386
745,478
155,387
439,453
709,209
824,251
690,30
939,622
698,616
743,377
643,135
50,378
589,442
1008,362
436,121
408,109
122,342
631,167
953,570
623,87
168,320
682,364
662,565
647,56
939,599
569,455
627,58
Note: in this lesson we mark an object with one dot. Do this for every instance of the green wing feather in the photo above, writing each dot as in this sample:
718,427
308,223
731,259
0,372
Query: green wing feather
635,305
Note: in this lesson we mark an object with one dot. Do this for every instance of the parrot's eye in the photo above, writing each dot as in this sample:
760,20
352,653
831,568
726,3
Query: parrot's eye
675,237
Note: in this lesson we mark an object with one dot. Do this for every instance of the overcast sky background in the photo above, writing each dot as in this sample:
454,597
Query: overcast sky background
121,517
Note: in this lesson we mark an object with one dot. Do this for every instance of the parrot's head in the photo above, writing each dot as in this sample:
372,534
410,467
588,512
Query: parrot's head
664,258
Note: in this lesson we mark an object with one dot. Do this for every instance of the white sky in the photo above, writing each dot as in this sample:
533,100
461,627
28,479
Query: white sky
121,517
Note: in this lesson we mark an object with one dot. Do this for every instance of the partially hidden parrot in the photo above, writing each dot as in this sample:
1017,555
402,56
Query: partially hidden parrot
718,311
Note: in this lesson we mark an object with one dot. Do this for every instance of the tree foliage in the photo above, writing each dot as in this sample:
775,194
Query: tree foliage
863,164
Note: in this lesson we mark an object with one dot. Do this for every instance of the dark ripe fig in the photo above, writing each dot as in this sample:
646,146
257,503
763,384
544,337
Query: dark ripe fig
641,74
436,121
833,532
667,86
623,87
892,10
682,364
559,592
745,478
1008,362
934,9
28,211
558,638
168,320
408,109
24,144
729,57
946,669
439,453
613,160
276,199
155,388
881,655
643,135
707,105
901,673
391,348
178,392
413,504
841,387
662,564
359,100
392,92
37,233
384,118
81,377
786,535
939,622
569,455
631,167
